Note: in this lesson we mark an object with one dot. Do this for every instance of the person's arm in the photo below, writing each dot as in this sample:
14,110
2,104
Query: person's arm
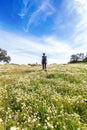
46,59
42,60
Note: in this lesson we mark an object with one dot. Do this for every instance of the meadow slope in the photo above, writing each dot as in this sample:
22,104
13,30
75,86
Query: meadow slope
31,99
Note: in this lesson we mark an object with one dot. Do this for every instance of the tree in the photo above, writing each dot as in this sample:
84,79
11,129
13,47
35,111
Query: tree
85,59
74,58
3,56
80,56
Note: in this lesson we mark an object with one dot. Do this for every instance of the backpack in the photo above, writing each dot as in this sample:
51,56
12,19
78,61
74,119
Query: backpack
44,59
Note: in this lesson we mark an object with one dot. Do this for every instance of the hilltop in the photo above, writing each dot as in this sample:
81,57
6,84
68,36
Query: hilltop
31,99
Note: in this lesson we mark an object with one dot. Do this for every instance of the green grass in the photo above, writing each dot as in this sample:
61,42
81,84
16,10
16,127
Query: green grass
31,99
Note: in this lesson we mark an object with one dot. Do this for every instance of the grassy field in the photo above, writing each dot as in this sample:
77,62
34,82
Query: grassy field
31,99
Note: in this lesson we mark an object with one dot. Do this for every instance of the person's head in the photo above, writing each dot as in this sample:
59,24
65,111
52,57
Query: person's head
43,54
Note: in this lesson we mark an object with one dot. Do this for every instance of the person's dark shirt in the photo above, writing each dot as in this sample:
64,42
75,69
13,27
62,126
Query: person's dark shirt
44,59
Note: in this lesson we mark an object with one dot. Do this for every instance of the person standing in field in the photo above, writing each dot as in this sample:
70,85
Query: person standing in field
44,61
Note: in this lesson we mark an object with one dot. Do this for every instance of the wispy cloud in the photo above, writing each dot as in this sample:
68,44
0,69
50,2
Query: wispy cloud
24,9
72,24
32,48
81,8
43,10
80,34
25,2
65,19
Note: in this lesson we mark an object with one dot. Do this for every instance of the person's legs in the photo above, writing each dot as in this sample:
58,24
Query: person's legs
45,67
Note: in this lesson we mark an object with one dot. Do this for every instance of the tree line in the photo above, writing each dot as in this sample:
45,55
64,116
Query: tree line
79,57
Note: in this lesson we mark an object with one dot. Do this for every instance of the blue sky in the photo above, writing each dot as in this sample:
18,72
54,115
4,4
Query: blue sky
30,27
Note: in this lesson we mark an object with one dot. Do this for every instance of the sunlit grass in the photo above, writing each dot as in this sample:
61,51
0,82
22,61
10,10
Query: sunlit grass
31,99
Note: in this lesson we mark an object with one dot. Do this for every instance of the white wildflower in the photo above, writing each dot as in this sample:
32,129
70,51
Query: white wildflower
50,125
39,124
9,116
34,119
45,127
48,118
0,120
13,128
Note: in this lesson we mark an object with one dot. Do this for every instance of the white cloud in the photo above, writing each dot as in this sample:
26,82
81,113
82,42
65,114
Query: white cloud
56,46
81,6
80,34
24,59
24,9
65,19
43,10
76,13
29,49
